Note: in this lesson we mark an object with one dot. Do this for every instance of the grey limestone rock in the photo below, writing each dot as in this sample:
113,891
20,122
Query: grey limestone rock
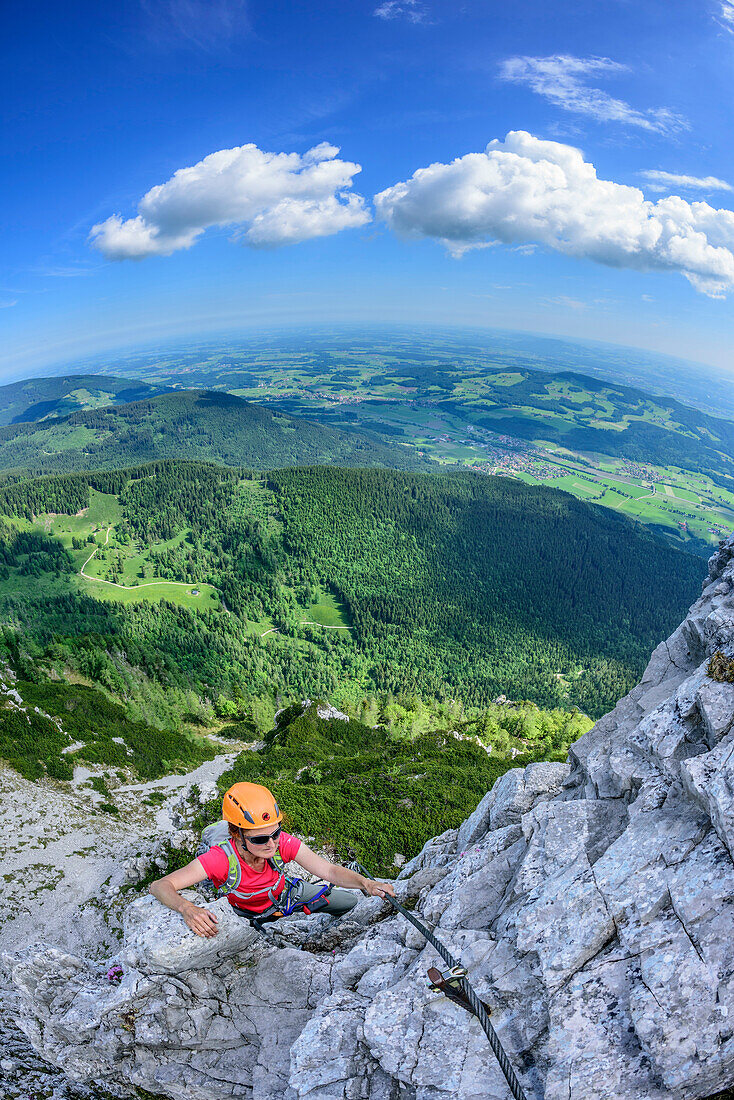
470,895
517,791
158,941
329,1051
558,832
379,948
565,922
593,1049
209,1033
513,794
437,852
715,704
710,780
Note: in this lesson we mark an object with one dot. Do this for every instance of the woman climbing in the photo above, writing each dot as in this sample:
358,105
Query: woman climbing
249,865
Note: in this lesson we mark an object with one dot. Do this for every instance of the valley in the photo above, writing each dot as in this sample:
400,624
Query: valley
614,446
495,408
180,569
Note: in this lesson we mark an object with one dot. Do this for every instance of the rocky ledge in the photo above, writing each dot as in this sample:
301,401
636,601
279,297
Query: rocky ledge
592,902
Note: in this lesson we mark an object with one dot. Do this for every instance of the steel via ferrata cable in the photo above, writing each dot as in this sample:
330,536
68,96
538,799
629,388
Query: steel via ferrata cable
477,1007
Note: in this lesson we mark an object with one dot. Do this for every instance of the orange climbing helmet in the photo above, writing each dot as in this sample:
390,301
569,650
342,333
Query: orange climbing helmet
250,806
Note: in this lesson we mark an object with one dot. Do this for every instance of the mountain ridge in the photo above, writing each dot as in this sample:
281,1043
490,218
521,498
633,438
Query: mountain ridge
189,424
37,399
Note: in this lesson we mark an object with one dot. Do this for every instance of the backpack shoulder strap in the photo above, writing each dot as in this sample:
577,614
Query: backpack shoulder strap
234,876
276,862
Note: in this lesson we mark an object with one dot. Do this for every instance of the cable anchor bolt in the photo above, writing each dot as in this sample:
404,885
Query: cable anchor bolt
450,984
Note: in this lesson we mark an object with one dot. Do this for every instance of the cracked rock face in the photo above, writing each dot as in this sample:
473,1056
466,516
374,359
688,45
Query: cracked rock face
592,904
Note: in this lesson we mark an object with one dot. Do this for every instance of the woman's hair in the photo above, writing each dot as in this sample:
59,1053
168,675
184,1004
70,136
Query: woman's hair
234,831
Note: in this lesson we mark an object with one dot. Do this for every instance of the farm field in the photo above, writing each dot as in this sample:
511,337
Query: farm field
687,506
705,514
603,442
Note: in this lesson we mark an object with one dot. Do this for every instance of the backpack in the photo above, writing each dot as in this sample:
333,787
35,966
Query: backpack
217,835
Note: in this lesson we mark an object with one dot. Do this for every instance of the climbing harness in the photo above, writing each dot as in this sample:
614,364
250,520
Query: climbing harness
286,904
453,984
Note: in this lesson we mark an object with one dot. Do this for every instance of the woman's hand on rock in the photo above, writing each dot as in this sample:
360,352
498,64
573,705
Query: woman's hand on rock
378,889
199,920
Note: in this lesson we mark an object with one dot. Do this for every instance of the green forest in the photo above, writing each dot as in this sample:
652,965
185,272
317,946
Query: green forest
192,424
438,585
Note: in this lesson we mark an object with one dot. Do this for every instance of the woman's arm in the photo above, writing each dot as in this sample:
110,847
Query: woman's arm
340,876
166,891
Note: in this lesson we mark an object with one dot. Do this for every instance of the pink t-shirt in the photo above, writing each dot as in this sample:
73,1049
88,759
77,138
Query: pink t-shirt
216,865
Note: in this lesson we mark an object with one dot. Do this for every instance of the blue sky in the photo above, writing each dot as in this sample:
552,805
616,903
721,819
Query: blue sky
297,131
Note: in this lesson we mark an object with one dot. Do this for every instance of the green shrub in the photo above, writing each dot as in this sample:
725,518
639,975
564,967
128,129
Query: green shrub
360,791
28,741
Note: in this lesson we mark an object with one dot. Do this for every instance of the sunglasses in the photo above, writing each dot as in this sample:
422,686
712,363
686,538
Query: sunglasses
264,839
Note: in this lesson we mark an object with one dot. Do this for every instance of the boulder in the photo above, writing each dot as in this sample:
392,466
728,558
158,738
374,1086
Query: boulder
158,941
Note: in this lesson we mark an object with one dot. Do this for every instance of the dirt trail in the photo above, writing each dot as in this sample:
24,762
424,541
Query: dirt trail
128,587
306,622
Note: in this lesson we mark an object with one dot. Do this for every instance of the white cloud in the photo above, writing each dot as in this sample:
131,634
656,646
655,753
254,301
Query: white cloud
664,181
412,10
9,305
525,190
726,15
566,302
271,198
208,25
562,80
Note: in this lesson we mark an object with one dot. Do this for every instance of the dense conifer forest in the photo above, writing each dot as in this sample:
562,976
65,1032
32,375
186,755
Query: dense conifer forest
446,586
194,424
